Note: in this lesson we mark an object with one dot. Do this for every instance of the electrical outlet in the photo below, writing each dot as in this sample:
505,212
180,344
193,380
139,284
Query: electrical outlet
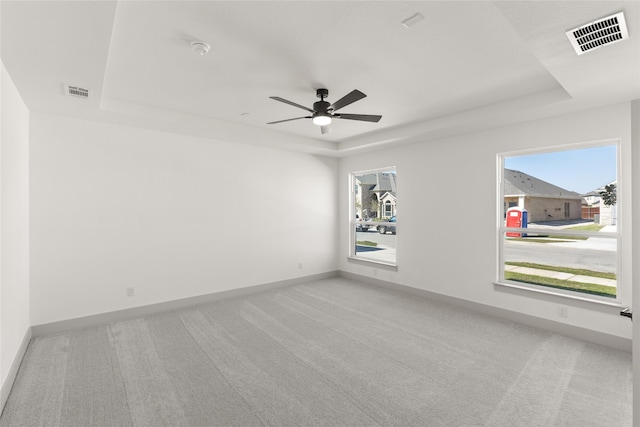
131,291
299,266
563,311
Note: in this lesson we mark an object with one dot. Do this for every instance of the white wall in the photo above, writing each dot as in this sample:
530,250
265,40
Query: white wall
14,226
175,216
447,206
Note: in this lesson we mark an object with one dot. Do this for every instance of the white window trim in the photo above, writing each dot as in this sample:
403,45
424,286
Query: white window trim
353,222
622,299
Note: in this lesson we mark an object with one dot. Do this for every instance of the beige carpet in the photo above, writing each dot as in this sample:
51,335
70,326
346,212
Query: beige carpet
333,352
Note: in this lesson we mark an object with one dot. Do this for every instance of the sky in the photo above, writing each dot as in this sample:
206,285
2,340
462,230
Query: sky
581,170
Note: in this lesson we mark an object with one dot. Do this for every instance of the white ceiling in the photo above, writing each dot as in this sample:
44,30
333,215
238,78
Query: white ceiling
466,66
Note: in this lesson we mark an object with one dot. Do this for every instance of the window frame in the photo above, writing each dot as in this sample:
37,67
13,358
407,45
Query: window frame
353,222
621,297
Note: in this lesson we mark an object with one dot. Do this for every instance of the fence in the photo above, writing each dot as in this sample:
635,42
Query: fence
589,212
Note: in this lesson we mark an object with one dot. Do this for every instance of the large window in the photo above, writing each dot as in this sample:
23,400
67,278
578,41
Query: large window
558,222
373,224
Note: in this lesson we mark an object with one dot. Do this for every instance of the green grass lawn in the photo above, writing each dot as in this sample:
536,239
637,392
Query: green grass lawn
576,271
588,288
587,227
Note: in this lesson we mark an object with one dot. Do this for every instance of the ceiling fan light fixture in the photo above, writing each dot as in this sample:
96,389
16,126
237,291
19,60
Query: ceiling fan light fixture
321,119
323,113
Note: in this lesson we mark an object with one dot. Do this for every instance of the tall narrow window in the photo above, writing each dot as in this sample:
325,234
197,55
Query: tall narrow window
373,216
549,237
388,212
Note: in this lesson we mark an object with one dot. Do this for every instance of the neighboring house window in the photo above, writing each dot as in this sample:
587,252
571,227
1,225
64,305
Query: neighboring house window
547,241
373,223
388,212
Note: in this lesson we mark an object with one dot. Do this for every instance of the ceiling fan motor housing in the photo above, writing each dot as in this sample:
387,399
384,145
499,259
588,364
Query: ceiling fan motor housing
321,107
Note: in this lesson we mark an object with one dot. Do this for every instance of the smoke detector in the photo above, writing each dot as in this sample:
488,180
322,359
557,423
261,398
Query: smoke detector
201,48
605,31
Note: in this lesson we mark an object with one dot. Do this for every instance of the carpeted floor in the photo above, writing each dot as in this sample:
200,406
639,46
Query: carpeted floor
333,352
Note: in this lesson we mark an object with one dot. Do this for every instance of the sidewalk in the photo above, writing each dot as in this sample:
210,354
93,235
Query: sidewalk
561,276
601,243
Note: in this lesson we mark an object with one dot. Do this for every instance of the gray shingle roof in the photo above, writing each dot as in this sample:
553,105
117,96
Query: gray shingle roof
381,181
386,182
518,183
598,190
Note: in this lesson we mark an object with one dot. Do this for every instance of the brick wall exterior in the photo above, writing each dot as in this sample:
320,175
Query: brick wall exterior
547,209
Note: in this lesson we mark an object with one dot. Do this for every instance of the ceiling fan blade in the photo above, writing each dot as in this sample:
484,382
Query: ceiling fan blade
325,129
350,98
363,117
288,120
277,98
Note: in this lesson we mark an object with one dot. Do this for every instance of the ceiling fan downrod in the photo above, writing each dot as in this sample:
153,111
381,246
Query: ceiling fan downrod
322,93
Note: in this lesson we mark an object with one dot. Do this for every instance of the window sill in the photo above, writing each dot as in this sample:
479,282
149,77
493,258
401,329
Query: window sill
557,293
373,263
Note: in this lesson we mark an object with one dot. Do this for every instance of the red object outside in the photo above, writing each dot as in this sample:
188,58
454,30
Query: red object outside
516,218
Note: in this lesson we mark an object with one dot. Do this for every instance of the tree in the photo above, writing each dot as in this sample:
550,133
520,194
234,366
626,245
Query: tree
609,196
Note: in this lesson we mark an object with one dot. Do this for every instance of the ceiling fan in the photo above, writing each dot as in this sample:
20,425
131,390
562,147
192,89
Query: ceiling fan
323,113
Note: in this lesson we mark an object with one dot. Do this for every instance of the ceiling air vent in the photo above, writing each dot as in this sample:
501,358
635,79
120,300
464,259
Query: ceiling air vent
76,91
602,32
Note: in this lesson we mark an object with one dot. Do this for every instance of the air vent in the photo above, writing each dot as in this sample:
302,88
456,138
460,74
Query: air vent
76,91
602,32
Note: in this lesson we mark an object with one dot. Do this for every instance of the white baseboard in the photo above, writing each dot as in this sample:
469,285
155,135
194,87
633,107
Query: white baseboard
575,332
570,331
146,310
13,370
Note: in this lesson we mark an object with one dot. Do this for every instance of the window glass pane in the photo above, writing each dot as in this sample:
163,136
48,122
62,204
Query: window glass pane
578,264
374,224
561,209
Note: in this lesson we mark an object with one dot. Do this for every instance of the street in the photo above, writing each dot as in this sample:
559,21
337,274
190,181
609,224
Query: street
558,255
539,253
388,240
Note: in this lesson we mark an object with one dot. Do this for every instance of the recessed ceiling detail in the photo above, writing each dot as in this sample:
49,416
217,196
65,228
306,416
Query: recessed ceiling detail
604,31
466,66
